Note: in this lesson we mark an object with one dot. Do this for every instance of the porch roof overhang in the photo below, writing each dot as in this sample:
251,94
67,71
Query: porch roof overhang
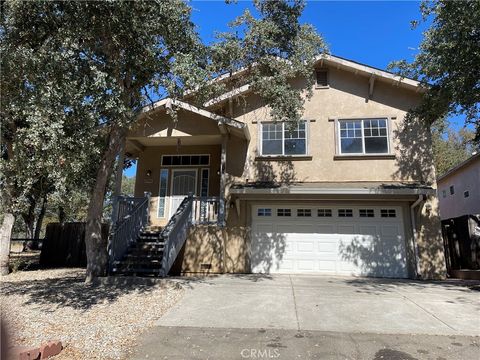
137,141
341,189
225,124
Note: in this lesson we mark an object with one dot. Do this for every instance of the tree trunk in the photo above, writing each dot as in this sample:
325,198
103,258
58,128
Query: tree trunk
97,256
5,235
29,219
41,216
61,215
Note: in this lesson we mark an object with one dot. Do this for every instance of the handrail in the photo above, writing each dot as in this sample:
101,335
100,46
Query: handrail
132,217
205,210
175,234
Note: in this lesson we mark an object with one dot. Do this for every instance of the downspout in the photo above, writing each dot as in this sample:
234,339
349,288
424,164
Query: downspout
415,234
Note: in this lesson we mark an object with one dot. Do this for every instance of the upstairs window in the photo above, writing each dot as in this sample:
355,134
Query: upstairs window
283,139
369,136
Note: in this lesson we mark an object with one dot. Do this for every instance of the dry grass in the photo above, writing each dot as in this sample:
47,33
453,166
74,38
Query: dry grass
92,321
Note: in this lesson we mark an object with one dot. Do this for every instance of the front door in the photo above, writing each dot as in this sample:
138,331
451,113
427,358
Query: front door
184,181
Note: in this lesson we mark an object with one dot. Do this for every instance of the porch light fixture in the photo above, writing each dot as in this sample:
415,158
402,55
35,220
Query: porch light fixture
149,173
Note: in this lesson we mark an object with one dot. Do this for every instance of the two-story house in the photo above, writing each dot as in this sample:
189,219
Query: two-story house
350,190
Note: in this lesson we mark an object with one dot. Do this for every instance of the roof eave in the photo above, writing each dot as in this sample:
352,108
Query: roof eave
333,191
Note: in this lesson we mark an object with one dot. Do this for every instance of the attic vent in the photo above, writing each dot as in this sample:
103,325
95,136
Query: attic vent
322,78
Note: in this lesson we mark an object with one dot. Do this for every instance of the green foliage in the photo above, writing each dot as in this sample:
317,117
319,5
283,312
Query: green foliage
75,74
273,49
128,185
449,60
449,147
45,122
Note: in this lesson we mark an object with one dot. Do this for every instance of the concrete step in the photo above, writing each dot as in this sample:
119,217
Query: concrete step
140,257
138,272
148,246
123,266
148,237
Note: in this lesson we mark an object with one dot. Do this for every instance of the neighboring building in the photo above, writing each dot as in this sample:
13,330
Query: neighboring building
348,191
459,189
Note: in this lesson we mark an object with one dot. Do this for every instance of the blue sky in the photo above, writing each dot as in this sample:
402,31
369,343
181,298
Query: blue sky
371,32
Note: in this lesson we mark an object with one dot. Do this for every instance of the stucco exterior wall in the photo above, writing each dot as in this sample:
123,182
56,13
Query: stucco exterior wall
429,239
467,178
347,97
150,159
211,249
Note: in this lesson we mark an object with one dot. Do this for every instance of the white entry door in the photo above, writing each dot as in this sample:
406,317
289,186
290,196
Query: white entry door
184,181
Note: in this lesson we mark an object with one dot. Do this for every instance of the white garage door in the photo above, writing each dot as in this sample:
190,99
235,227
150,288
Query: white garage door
341,240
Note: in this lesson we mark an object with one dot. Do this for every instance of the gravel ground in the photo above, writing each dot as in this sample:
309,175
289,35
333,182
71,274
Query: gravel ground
99,321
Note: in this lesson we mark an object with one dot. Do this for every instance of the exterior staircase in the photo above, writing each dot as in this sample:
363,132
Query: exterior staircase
144,256
135,248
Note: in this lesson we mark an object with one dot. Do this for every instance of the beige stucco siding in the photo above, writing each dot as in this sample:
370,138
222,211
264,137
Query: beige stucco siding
150,159
210,249
347,97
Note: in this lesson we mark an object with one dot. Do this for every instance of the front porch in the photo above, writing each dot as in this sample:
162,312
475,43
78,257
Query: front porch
181,169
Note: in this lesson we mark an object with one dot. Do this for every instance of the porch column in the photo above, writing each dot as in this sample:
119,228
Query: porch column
223,158
118,181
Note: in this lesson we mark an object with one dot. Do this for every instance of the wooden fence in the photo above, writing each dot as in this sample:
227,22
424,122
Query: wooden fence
461,236
64,245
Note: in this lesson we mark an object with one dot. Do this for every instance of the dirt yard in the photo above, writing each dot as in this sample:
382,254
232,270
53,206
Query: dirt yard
99,321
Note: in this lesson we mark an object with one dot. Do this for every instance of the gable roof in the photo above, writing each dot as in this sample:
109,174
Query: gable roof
363,69
323,59
338,62
222,121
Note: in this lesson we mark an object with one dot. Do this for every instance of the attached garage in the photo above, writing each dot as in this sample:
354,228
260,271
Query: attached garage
339,240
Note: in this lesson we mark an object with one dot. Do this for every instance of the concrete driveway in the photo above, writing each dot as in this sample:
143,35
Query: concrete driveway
328,304
329,311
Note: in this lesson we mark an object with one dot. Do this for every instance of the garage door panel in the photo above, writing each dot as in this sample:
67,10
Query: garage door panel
327,246
346,229
326,229
335,245
368,230
307,246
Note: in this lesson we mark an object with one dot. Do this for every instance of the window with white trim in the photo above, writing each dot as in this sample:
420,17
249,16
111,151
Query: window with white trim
284,212
366,213
283,138
162,193
324,212
388,213
264,212
367,136
304,212
345,213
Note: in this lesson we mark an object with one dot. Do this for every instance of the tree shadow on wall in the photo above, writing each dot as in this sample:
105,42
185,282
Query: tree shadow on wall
431,251
414,156
414,162
202,252
267,250
279,172
372,258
